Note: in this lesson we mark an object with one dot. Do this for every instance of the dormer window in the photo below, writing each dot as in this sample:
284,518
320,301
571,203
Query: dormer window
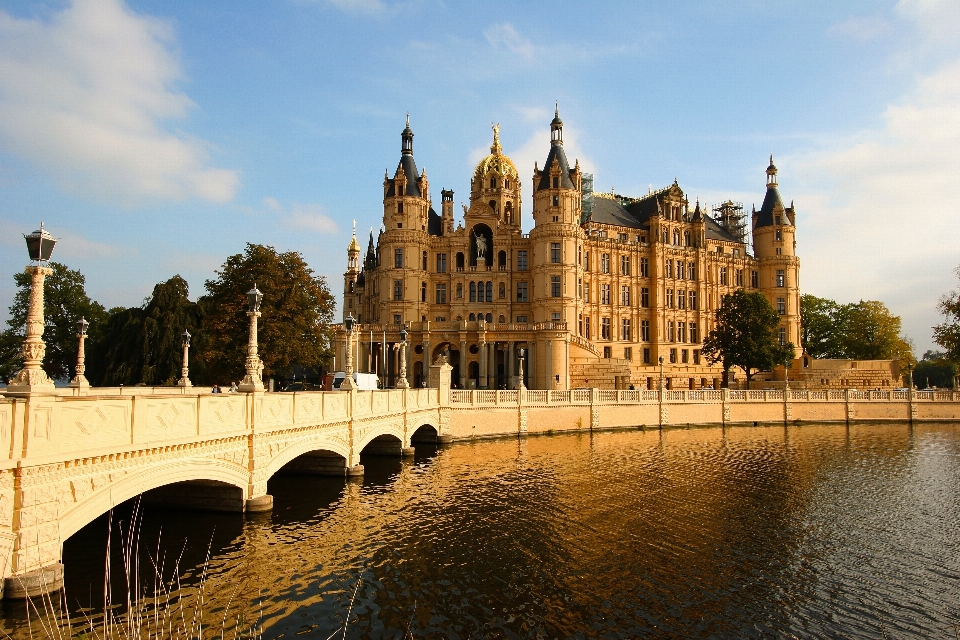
556,183
778,220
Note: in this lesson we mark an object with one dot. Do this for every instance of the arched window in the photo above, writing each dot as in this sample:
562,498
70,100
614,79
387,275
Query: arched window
472,317
493,182
460,261
503,290
502,260
424,260
493,205
676,237
489,317
473,292
508,213
501,320
506,183
666,236
489,294
686,238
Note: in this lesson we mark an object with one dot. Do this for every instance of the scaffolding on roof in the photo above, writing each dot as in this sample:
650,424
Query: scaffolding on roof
729,215
586,197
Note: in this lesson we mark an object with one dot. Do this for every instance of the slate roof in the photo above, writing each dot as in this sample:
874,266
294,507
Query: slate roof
609,211
556,153
771,202
434,223
409,168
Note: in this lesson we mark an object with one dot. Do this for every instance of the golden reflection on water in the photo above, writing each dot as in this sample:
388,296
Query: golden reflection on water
746,532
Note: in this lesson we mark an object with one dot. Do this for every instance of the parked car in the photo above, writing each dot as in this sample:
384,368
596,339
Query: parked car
364,381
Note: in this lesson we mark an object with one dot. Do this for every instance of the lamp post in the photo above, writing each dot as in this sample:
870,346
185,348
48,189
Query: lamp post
786,373
79,380
520,352
402,382
253,381
348,384
910,376
32,378
661,374
185,369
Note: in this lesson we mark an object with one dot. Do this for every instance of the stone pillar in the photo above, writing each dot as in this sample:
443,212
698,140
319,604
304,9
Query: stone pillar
531,369
253,381
463,364
510,355
426,360
492,364
32,378
548,366
482,383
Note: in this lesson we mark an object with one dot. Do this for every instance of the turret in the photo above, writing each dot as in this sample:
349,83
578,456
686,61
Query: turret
775,245
556,189
350,294
446,196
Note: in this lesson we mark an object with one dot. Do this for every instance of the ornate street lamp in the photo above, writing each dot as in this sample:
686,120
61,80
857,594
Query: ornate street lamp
662,381
32,378
520,352
402,382
79,380
348,384
185,370
253,381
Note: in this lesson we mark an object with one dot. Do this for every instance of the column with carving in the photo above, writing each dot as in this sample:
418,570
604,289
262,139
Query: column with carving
32,378
79,380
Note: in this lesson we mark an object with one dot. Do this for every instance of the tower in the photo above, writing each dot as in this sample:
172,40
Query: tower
446,203
775,245
350,276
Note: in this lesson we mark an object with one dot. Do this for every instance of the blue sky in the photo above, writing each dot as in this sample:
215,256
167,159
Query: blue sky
157,138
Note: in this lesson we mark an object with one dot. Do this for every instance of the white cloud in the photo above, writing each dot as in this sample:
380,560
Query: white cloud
861,29
363,7
84,96
305,217
878,212
506,36
70,245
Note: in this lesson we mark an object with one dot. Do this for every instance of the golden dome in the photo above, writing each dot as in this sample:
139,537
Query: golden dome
354,245
496,162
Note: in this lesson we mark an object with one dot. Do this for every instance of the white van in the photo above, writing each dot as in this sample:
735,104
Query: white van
364,381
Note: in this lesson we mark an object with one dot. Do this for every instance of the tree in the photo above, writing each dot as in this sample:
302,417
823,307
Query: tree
947,334
144,344
745,335
934,370
297,310
65,302
818,322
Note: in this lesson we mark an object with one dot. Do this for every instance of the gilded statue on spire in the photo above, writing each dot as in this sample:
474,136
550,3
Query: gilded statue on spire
495,147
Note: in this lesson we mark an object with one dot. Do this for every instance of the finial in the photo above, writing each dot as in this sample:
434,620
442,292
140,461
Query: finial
354,227
408,119
556,109
771,157
495,147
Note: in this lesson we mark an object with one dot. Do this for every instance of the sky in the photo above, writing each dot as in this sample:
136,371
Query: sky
156,138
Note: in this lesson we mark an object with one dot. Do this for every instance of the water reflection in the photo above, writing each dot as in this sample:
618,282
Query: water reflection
745,532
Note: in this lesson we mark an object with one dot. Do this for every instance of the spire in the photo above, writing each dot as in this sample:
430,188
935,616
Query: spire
771,174
354,247
406,147
556,127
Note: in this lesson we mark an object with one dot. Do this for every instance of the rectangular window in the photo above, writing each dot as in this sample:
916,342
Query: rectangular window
669,298
555,252
586,261
521,319
671,334
645,330
604,294
441,293
681,299
694,333
423,292
644,268
681,332
522,295
625,295
396,318
782,306
555,286
669,268
644,297
782,336
604,263
605,329
693,300
673,356
606,352
398,289
723,275
626,329
692,271
646,356
398,258
555,316
755,280
680,269
556,201
625,265
586,291
696,356
441,263
622,237
628,353
781,278
521,260
586,327
580,288
683,356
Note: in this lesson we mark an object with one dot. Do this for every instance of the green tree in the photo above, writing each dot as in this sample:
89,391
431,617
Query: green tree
65,302
869,331
144,344
934,370
745,335
818,321
297,310
947,334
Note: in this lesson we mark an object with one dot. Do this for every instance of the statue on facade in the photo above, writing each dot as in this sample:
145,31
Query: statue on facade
481,243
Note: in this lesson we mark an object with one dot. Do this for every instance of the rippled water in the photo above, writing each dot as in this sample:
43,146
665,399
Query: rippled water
813,531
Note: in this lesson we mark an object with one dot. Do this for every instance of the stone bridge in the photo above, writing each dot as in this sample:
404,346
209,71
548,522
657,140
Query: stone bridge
69,458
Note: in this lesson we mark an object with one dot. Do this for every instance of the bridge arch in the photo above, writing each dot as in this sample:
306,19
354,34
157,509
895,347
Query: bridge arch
425,433
152,477
394,428
307,446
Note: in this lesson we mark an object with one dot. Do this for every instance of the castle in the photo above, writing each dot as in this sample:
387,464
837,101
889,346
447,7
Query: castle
601,288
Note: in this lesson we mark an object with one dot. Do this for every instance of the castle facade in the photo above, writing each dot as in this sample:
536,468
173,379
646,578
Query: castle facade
601,288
